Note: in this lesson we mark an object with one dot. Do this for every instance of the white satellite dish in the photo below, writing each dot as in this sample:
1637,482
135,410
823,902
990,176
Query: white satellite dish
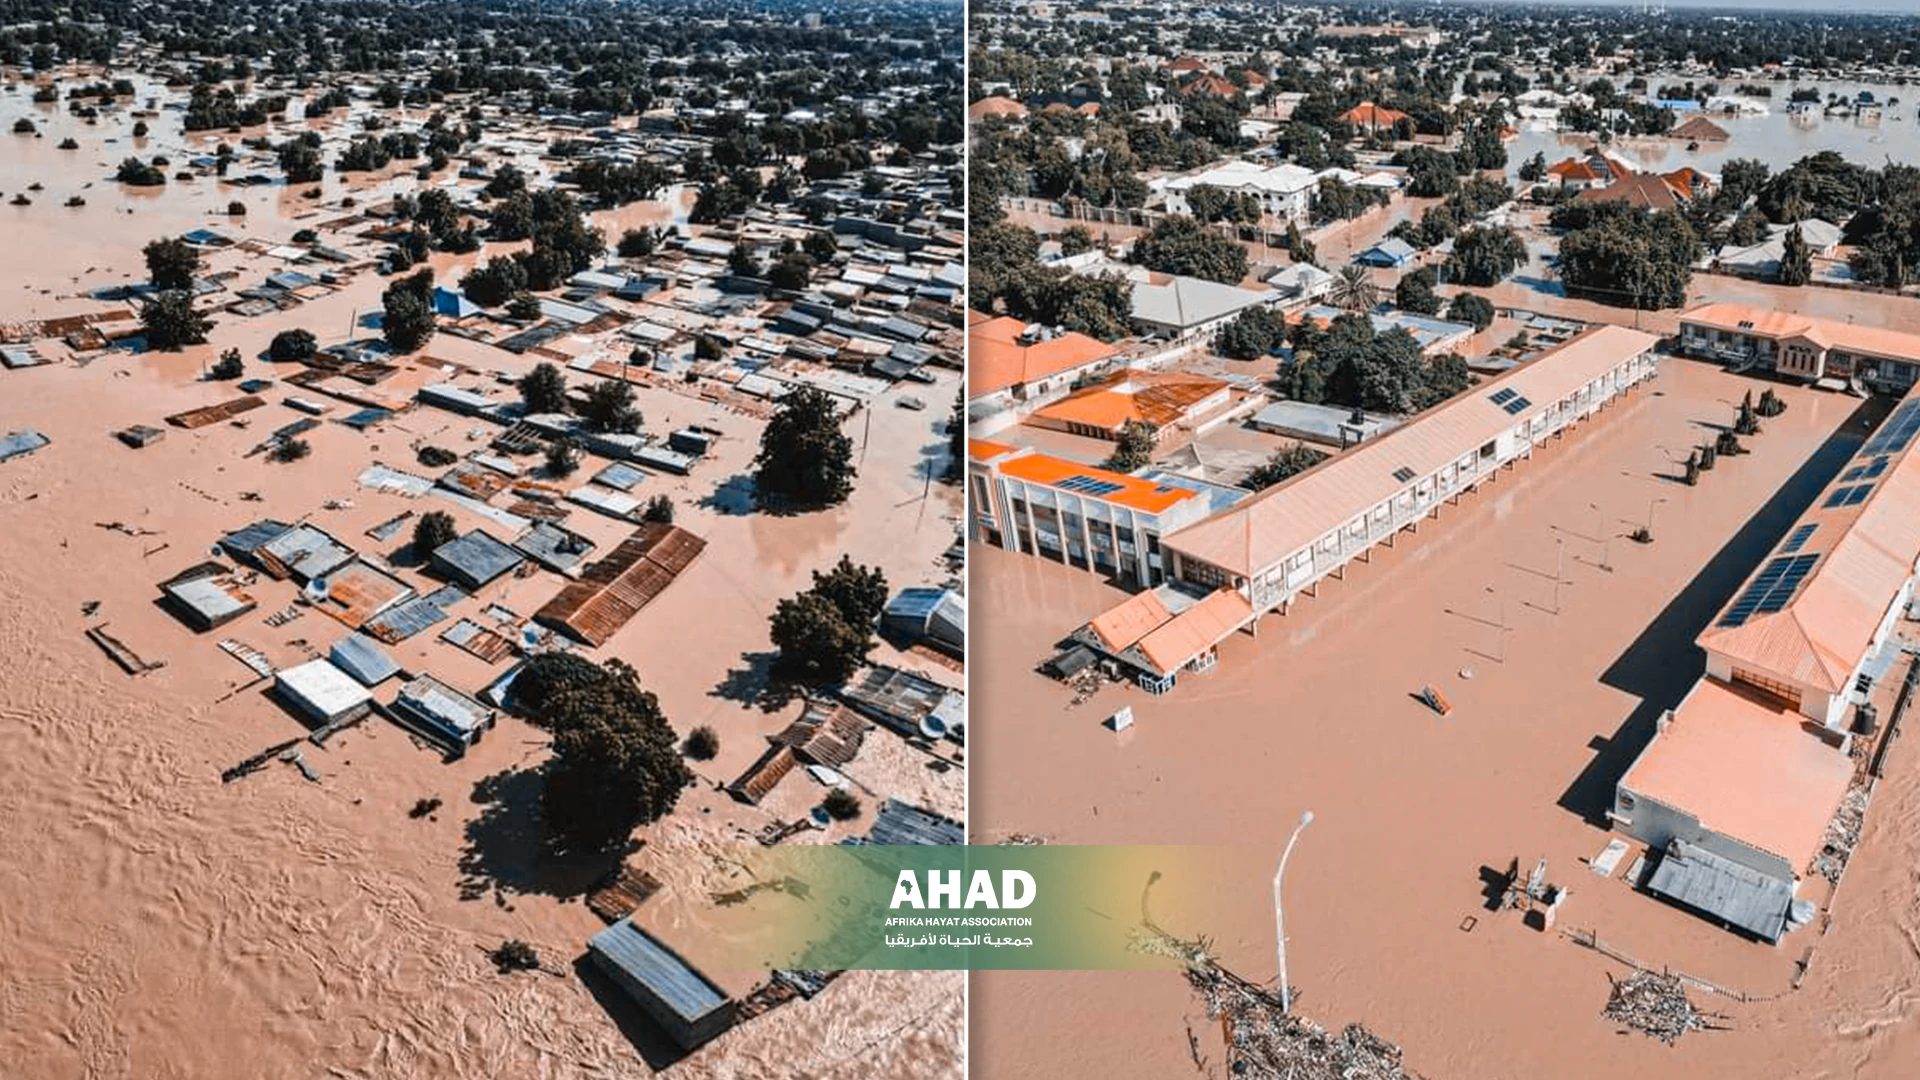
933,727
529,636
317,589
216,551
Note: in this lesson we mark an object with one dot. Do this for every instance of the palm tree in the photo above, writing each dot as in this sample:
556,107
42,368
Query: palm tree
1354,290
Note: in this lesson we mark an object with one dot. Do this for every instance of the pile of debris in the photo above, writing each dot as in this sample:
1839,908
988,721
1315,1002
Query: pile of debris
1085,683
1843,832
1656,1004
1264,1042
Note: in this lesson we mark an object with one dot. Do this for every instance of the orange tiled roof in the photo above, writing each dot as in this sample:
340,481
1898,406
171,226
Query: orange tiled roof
1747,770
1122,626
1772,323
1864,555
1157,398
987,449
1210,83
1651,192
1573,169
996,106
1371,116
1131,491
997,360
1199,628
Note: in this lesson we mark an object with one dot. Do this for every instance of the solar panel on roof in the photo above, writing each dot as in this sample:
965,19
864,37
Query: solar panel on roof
1403,474
1798,540
1501,397
1771,588
1896,433
1858,495
1087,485
1515,406
1837,498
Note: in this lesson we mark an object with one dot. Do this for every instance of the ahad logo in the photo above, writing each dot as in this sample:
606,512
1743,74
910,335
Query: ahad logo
943,890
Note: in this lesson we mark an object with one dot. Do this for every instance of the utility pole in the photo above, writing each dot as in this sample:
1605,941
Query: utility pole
1606,542
1559,570
1279,922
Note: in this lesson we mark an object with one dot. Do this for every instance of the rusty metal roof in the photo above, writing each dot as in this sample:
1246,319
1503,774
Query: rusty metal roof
613,590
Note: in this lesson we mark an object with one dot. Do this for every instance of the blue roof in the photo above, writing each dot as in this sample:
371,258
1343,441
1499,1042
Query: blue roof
448,302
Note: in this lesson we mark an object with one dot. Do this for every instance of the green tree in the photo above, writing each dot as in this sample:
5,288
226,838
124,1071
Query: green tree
544,389
1415,292
616,761
637,243
659,510
1353,289
610,406
433,531
171,263
1285,462
805,460
791,272
171,322
562,458
1471,308
1484,255
1796,258
1134,448
408,319
1299,248
1181,245
292,345
1254,333
230,366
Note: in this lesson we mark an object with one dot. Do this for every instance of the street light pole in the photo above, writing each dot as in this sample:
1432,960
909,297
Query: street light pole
1279,923
1606,542
1651,503
1559,570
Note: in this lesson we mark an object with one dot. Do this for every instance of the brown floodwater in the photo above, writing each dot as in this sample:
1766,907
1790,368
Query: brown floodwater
161,924
1553,691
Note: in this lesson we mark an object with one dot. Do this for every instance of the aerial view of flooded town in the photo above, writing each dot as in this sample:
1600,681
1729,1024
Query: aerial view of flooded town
464,466
1464,456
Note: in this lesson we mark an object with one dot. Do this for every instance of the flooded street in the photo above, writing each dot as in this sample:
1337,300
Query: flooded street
318,927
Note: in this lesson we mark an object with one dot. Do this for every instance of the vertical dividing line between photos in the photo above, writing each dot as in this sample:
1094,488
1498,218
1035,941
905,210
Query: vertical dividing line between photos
966,485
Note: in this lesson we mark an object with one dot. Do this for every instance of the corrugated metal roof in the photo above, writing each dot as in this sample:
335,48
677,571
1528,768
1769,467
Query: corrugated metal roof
614,589
246,542
303,553
360,657
903,823
1724,889
475,559
659,970
404,620
1864,552
553,547
21,442
322,689
442,707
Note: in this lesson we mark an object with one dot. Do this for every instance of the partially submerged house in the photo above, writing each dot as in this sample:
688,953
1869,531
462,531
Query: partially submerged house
206,596
935,616
321,693
1734,794
614,589
689,1006
473,560
825,735
442,714
908,703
